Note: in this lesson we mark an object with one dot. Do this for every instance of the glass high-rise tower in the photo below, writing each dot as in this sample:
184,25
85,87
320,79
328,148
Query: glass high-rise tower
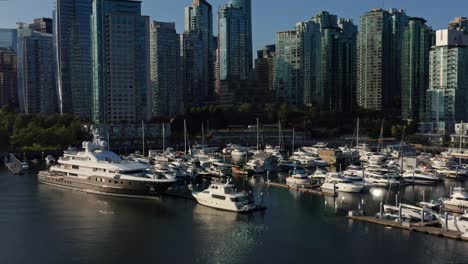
120,58
166,83
235,40
415,69
72,45
36,71
198,53
379,60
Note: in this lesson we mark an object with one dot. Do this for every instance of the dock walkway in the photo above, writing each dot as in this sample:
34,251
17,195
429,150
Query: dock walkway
426,227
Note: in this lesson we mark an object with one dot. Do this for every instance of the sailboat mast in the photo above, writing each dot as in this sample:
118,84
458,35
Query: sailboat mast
293,135
164,137
357,133
143,136
257,135
380,144
461,139
185,137
279,134
203,136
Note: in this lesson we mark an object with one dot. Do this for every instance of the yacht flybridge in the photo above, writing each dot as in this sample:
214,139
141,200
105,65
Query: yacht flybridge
97,170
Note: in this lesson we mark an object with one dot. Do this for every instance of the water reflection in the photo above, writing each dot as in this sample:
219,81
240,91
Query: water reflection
239,235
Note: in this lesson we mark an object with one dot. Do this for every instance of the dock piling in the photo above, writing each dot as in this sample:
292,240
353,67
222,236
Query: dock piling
381,210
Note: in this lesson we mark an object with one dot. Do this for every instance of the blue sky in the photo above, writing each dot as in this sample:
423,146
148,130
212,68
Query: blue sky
269,16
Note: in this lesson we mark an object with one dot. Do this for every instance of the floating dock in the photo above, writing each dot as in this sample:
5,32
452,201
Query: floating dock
421,227
313,189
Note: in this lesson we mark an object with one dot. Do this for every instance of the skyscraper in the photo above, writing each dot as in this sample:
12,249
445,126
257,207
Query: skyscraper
166,83
447,97
72,46
8,38
379,60
265,67
338,57
297,64
121,67
42,25
415,69
8,78
235,40
36,71
198,53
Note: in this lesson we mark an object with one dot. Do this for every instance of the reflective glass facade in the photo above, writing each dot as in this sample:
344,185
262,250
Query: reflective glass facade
166,82
36,71
415,69
235,40
199,53
447,97
121,67
72,41
8,38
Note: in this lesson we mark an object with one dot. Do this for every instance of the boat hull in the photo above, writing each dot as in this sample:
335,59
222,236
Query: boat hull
111,187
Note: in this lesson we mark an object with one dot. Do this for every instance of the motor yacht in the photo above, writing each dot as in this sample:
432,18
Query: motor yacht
97,170
319,175
298,179
458,223
408,212
338,183
224,197
458,199
418,176
381,177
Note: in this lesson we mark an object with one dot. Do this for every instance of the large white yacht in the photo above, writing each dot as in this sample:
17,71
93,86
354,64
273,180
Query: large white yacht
223,196
340,184
458,199
97,170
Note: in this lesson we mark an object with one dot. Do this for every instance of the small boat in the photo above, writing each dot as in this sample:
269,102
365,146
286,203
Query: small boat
50,160
455,223
418,176
298,179
458,199
24,165
224,197
409,212
319,175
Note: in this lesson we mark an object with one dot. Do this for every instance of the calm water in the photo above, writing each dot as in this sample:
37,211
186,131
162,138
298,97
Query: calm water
43,224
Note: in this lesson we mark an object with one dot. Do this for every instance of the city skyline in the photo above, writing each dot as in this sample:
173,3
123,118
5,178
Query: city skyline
438,14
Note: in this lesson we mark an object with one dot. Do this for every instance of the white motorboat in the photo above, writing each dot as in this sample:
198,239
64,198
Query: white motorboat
298,179
224,197
24,165
381,177
418,176
453,172
455,223
340,184
409,212
458,199
319,175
